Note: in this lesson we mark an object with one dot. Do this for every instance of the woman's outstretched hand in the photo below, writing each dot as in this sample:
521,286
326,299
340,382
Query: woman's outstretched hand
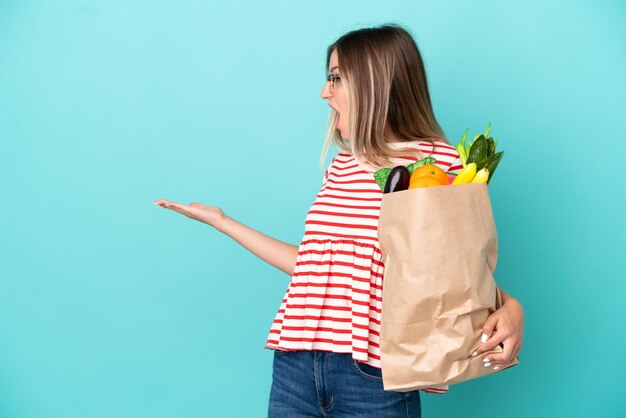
210,215
506,326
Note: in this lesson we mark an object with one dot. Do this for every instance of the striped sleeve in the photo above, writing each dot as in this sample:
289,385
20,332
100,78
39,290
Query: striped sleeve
327,172
455,167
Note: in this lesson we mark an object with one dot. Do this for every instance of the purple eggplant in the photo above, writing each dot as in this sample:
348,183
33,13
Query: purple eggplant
398,180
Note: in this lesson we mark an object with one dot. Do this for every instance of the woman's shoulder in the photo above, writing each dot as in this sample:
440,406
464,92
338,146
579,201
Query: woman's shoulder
444,153
440,144
444,144
340,159
437,147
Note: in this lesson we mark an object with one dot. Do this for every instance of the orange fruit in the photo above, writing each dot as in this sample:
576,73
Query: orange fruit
424,181
431,170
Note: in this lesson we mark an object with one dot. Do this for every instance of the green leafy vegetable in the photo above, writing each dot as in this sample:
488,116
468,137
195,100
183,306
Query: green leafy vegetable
486,134
462,149
419,163
381,177
491,148
490,163
479,150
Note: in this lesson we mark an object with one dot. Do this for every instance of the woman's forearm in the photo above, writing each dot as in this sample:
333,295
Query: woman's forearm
505,296
277,253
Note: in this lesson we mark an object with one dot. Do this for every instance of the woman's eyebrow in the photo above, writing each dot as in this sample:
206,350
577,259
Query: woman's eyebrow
334,68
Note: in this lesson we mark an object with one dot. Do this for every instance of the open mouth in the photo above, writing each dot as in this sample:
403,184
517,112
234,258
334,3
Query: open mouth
335,109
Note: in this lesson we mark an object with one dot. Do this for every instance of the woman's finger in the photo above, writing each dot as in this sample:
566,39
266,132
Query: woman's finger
514,354
178,207
496,338
506,355
518,346
162,202
502,365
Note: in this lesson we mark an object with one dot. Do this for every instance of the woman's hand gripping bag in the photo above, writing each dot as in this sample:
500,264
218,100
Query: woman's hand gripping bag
440,248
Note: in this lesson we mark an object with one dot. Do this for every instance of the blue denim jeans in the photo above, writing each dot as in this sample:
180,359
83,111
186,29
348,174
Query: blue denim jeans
313,383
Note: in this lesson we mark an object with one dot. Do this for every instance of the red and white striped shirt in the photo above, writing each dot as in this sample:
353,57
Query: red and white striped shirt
333,302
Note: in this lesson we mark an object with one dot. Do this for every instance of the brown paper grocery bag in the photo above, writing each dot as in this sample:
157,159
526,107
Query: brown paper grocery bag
440,248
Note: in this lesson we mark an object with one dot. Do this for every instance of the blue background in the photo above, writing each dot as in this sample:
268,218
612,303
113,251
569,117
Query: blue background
113,307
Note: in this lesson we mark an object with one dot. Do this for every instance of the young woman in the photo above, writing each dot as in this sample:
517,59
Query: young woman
326,331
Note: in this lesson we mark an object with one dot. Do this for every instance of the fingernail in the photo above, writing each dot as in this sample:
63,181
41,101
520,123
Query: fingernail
483,338
496,368
486,360
474,354
487,364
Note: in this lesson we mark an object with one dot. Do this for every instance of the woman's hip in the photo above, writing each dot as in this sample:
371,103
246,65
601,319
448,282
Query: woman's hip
328,384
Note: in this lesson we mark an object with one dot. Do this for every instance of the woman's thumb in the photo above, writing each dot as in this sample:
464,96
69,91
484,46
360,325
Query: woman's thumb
490,324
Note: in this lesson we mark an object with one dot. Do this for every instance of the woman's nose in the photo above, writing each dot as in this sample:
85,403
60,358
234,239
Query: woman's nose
325,92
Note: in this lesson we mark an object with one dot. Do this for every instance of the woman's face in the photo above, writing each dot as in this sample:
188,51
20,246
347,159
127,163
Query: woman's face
337,96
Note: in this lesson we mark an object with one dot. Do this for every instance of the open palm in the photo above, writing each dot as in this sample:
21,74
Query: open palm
207,214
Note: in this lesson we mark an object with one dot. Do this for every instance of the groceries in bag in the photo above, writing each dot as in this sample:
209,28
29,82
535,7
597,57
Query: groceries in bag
479,159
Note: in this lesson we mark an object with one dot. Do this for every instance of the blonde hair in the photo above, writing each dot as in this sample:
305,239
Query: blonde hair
387,90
